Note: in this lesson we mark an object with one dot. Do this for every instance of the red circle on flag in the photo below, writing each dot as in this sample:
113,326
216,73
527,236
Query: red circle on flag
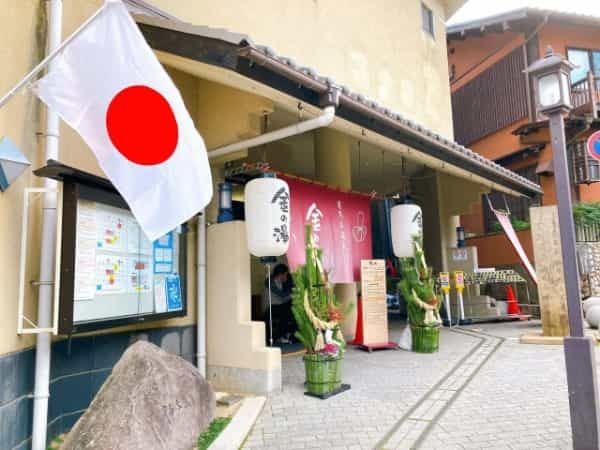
142,125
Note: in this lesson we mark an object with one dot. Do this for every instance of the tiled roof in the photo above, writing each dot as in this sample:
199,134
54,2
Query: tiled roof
310,77
530,12
395,116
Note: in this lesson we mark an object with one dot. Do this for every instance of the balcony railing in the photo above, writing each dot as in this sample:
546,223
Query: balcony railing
585,95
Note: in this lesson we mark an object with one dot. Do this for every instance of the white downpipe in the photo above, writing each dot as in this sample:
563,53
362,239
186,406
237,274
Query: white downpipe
320,121
201,290
46,289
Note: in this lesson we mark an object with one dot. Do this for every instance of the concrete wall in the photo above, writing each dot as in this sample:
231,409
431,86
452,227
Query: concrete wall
238,360
377,48
495,249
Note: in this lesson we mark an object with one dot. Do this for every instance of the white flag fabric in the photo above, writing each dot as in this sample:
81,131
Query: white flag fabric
510,232
109,86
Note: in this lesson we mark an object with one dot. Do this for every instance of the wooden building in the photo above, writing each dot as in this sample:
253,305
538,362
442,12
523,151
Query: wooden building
494,111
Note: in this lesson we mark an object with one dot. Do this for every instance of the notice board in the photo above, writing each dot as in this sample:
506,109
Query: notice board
111,274
374,302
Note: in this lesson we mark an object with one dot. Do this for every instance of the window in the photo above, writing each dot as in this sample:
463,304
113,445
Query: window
586,60
427,17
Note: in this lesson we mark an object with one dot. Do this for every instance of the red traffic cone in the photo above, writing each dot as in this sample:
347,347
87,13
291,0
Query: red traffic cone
511,301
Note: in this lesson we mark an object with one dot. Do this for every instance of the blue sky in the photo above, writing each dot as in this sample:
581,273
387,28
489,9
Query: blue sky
476,9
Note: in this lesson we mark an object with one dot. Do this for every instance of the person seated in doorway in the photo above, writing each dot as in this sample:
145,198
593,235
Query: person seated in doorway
284,324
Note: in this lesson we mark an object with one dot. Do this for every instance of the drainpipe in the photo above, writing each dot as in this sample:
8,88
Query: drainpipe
320,121
43,341
201,290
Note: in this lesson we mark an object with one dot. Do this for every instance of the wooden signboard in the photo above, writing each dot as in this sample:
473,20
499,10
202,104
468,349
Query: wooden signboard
374,302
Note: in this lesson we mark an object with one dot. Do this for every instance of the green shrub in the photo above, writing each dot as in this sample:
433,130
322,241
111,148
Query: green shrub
518,225
586,213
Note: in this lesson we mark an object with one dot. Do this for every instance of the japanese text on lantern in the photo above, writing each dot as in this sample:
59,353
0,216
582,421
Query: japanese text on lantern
281,233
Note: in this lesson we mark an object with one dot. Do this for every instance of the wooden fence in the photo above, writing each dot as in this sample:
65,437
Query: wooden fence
587,233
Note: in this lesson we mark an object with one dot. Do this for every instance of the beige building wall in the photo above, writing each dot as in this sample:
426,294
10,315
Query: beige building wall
377,47
395,63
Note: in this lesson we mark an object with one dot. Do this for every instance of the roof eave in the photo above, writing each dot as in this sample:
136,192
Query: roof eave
236,52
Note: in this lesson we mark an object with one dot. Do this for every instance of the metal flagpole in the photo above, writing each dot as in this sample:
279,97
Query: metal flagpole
44,62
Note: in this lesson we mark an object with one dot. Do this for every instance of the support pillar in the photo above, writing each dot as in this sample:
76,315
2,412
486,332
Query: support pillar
333,166
549,268
455,197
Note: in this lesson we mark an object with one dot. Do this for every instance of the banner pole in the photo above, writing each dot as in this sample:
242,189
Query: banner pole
44,62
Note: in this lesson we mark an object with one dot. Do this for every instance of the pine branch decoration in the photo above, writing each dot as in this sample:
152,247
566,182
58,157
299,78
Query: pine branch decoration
314,306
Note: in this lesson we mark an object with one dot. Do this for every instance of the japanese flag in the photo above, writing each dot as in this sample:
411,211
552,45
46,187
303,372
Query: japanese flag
109,86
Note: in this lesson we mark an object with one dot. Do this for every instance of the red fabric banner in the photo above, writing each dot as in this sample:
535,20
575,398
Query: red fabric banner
341,227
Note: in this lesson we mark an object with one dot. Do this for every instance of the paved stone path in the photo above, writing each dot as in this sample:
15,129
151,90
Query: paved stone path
415,426
385,385
518,400
482,390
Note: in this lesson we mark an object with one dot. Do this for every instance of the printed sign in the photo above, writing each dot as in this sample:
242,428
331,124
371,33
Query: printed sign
374,302
460,254
593,145
116,266
459,280
173,288
163,254
445,281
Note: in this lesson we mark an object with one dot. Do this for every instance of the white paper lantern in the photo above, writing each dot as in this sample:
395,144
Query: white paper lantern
407,222
267,209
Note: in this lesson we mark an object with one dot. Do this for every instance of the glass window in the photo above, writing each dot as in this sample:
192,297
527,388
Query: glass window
596,62
118,271
549,90
580,58
427,16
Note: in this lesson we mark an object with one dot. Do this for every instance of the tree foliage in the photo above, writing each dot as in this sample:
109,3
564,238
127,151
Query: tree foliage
586,213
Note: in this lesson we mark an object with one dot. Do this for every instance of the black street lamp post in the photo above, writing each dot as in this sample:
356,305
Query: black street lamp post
551,81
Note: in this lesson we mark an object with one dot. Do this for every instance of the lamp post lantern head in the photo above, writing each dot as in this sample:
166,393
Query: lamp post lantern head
552,82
